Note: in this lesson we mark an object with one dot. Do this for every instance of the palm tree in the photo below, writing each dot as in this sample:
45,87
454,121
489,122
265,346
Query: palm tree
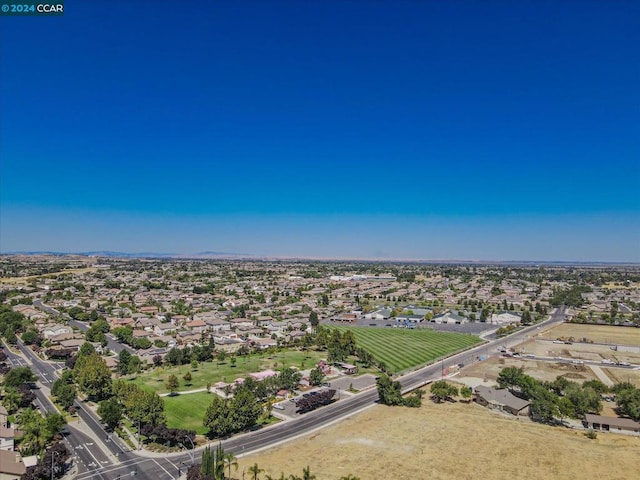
255,471
231,461
11,399
34,428
306,474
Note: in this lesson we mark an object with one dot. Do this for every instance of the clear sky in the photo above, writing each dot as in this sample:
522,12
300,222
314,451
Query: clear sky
373,129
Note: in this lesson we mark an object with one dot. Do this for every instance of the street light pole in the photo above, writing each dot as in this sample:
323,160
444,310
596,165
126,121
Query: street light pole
139,446
53,454
191,452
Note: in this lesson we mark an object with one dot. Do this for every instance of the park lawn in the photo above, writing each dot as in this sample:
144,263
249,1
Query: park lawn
187,411
401,349
213,372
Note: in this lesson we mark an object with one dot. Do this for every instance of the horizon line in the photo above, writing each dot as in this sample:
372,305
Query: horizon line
245,256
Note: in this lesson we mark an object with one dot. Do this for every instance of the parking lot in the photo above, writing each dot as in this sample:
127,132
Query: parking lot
358,383
288,408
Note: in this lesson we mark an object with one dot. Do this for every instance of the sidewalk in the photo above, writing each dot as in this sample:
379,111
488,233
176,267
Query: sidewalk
185,392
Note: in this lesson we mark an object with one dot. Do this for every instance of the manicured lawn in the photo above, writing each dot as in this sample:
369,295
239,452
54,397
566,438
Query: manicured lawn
401,349
187,411
213,372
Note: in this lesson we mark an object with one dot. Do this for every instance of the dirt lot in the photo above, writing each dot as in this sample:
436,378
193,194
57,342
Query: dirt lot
595,333
450,441
618,375
540,370
583,351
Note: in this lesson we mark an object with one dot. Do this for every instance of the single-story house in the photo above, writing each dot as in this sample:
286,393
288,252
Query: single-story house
74,343
504,318
55,329
610,424
263,343
141,334
501,399
11,465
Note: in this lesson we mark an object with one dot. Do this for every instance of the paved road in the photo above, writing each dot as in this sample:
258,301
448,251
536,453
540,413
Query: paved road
112,343
78,443
170,466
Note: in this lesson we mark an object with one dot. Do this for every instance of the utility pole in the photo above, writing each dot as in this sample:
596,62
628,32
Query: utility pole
53,455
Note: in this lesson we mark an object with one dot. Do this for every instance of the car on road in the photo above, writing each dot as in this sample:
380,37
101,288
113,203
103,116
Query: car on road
278,406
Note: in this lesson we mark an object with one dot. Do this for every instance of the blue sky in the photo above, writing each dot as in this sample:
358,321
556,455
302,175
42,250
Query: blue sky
475,130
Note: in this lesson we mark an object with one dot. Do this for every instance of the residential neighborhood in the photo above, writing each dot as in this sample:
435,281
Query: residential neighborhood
298,336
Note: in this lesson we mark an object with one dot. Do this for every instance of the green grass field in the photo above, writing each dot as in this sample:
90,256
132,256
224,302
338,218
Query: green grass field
401,348
187,411
213,372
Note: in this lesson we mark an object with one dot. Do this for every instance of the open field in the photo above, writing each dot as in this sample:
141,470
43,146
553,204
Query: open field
27,279
450,441
619,375
582,351
540,370
595,333
401,348
213,372
187,411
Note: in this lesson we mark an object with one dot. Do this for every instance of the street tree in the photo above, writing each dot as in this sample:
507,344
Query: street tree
18,376
389,391
93,376
110,412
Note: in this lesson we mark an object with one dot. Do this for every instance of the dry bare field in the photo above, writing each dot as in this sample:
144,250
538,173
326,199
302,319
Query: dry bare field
27,279
540,370
595,333
618,375
450,441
